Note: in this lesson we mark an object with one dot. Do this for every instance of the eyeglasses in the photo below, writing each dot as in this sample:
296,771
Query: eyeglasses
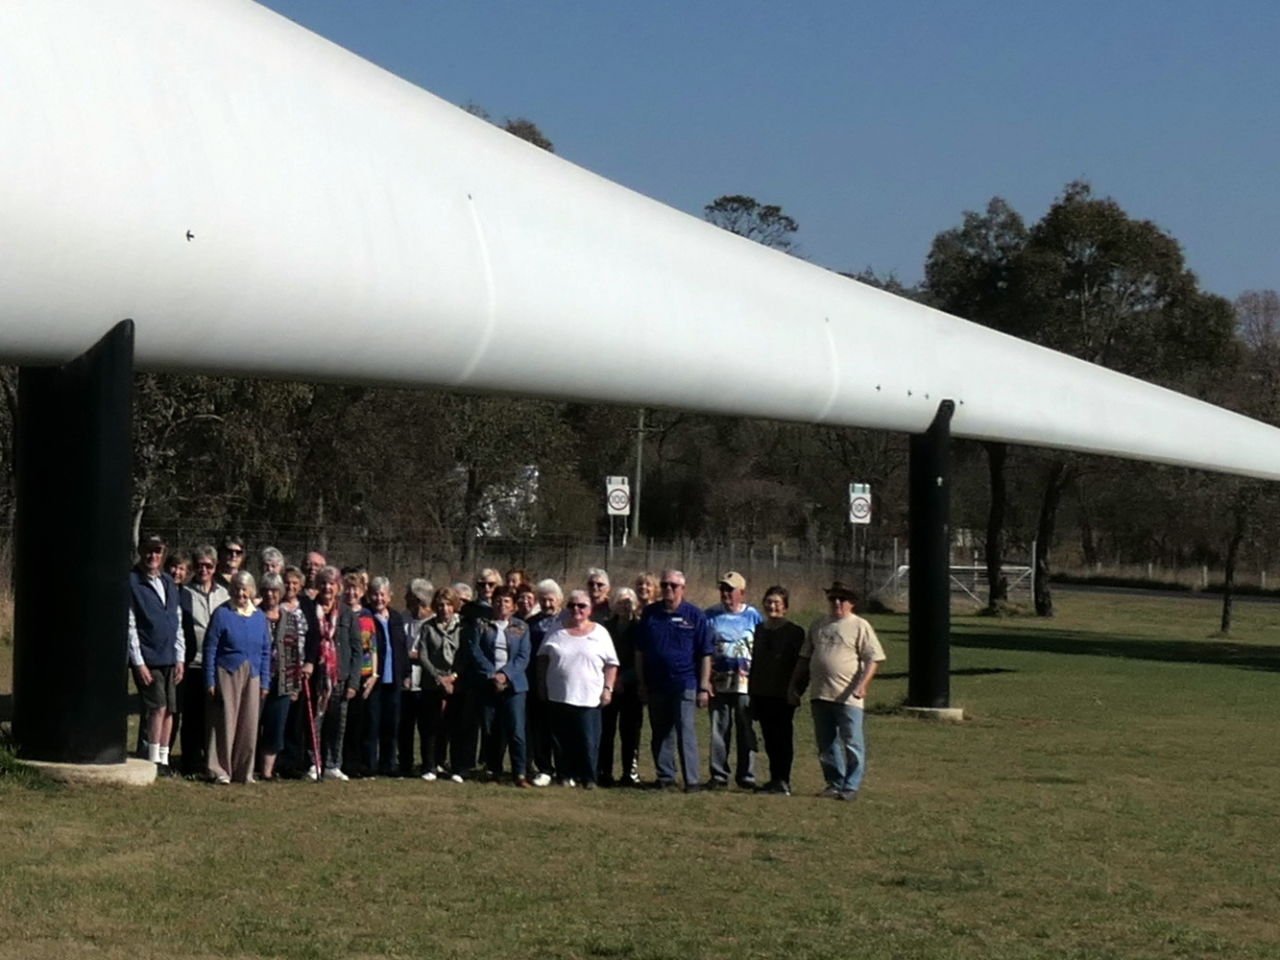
234,551
670,585
596,583
486,583
205,564
579,606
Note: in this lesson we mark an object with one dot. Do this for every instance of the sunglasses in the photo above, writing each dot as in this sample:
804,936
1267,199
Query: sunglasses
579,606
669,585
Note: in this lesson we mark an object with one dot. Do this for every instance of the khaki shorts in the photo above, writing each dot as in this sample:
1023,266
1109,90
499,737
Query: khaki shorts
161,693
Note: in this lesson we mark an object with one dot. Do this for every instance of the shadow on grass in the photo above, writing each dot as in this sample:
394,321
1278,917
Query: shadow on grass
962,672
1080,643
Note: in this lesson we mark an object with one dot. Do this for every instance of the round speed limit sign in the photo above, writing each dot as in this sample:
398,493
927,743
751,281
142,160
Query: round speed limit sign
617,496
859,503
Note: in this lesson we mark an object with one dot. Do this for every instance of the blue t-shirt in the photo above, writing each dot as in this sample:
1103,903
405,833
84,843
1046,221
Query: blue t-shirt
734,635
672,643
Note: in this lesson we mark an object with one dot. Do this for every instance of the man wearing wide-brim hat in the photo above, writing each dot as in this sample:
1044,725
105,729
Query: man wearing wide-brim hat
837,662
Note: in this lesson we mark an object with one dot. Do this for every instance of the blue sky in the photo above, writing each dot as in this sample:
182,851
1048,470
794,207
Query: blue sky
877,124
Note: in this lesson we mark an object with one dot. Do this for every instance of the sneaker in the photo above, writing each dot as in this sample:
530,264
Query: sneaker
718,785
847,795
429,777
830,792
313,773
695,787
455,778
542,780
335,773
250,779
222,780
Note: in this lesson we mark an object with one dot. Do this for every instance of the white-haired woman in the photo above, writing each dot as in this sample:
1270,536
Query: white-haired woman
237,659
284,681
577,669
623,718
542,751
417,611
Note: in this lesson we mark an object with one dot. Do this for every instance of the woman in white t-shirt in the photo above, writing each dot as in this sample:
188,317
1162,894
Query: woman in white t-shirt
577,667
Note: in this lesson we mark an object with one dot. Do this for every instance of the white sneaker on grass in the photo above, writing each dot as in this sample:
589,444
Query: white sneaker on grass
455,778
313,773
335,773
542,780
429,776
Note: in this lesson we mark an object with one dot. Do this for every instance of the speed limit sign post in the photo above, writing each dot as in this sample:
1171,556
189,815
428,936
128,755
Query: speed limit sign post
617,496
860,503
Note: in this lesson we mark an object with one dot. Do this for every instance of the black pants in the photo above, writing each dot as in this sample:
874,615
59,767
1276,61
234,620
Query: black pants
411,721
541,734
194,699
437,715
777,725
624,716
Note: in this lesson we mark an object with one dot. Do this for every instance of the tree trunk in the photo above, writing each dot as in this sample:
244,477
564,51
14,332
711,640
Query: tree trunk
137,520
997,584
1056,481
1088,537
470,518
1241,519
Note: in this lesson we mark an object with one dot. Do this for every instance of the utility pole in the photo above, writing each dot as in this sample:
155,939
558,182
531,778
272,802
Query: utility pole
635,497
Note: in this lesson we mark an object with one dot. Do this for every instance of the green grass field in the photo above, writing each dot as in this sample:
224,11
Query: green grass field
1115,794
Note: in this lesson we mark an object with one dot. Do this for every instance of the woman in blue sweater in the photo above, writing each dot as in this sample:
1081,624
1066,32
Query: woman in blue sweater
237,661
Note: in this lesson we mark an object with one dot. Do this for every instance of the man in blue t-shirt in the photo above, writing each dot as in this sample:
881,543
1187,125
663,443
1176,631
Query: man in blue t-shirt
733,624
673,662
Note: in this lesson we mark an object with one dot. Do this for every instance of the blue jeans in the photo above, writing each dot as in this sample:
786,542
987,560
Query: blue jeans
730,713
502,719
671,717
578,730
841,748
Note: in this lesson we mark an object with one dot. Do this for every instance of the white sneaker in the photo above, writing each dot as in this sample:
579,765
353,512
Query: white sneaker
455,778
429,777
313,774
222,780
335,773
542,780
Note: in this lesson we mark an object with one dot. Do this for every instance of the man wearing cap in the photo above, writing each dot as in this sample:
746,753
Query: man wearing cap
157,649
733,624
673,665
837,662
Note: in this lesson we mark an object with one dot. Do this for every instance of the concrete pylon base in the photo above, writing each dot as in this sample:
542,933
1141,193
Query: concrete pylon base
940,714
132,773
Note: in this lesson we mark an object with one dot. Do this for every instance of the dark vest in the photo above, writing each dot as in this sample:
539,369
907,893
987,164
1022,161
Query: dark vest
157,622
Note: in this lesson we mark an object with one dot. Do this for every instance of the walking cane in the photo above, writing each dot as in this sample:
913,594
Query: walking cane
311,723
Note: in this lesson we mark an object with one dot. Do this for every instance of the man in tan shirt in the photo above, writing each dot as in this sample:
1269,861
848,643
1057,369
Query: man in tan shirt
837,662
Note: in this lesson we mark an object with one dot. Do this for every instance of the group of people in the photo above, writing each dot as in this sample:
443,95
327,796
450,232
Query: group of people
309,671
